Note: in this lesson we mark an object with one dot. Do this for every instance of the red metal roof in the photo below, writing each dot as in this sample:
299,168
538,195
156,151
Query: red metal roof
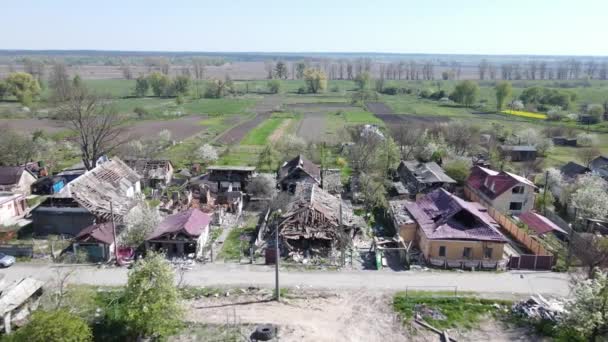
497,182
444,216
101,232
540,224
191,222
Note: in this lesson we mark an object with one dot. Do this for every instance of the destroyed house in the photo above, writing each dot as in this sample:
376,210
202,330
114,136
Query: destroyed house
518,153
181,234
12,207
316,222
60,216
154,173
599,166
109,188
505,191
422,177
449,228
48,185
572,170
229,178
296,171
16,179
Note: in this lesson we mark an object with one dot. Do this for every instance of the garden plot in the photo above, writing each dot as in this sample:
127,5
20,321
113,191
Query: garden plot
313,126
180,129
29,126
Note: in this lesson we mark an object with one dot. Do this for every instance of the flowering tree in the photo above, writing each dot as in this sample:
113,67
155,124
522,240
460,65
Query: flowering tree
586,316
591,196
530,136
140,222
207,153
587,139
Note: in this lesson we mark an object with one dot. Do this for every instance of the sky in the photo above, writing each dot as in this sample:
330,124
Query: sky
536,27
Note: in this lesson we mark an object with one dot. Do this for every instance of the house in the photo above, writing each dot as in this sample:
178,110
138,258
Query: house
450,231
572,170
60,216
16,179
108,189
181,234
518,153
12,207
422,177
540,224
599,166
48,185
154,173
296,171
564,141
97,241
73,172
229,178
331,181
505,191
316,222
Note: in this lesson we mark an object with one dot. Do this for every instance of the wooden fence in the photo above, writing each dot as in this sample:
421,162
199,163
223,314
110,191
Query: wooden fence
508,225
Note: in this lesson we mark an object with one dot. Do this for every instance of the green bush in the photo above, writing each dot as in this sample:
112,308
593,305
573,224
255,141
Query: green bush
48,326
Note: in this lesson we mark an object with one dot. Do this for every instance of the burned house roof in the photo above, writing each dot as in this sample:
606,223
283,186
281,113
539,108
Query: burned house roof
572,170
300,163
540,224
150,168
332,180
494,183
444,216
102,232
426,172
399,212
191,223
599,165
314,213
10,175
109,182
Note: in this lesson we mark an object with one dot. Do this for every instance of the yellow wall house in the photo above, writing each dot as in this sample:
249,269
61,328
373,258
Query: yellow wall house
450,231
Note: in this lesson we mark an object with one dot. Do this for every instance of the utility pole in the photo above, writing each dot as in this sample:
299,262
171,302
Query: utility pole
276,263
114,233
545,193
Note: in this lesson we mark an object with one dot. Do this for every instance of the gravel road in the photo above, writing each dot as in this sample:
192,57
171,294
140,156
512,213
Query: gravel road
507,283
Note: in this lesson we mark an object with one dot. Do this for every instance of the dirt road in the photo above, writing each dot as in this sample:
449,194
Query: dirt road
507,283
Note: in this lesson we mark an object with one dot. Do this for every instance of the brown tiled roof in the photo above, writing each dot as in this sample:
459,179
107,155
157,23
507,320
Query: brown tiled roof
540,224
444,216
502,181
191,222
101,232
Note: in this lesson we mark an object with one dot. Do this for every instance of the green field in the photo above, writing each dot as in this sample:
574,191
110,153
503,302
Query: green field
260,134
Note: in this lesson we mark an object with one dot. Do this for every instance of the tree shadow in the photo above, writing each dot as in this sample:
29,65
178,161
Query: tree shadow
236,304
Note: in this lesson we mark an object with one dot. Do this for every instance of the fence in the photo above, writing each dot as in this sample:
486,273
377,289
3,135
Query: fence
507,224
17,250
531,262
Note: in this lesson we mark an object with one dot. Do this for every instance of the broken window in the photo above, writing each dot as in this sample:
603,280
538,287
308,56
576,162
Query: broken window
441,251
487,253
518,190
515,206
467,252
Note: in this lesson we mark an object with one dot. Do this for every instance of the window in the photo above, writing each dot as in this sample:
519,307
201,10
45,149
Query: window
492,187
518,190
487,253
466,252
515,206
441,251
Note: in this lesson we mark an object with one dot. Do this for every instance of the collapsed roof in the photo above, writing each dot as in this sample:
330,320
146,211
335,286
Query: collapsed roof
111,182
426,173
444,216
313,213
150,168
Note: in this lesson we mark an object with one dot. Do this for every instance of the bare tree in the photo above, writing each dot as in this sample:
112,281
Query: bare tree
198,64
97,126
483,69
408,138
591,250
59,82
126,71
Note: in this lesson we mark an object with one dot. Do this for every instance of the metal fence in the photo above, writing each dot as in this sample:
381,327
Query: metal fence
17,250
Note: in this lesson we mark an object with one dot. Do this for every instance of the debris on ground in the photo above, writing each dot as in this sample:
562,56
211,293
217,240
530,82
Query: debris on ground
423,311
539,308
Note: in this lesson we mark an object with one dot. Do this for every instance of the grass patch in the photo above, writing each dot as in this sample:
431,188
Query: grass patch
362,117
260,134
459,312
219,106
233,247
241,155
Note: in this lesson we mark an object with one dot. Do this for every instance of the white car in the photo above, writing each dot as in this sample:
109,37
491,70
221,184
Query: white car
6,260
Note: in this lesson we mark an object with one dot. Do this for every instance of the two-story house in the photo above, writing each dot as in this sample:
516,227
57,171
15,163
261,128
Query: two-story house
505,191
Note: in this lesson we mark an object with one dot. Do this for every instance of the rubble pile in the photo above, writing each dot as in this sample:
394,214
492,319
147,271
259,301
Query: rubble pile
539,308
423,311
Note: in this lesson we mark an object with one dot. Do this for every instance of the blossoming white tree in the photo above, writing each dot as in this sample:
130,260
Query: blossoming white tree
587,311
207,153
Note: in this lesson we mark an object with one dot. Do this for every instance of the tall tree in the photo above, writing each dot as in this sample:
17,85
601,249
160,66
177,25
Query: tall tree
141,86
23,86
503,91
159,83
96,125
59,82
316,81
465,93
280,70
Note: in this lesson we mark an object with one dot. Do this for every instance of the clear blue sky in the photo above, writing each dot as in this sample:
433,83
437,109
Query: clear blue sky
565,27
